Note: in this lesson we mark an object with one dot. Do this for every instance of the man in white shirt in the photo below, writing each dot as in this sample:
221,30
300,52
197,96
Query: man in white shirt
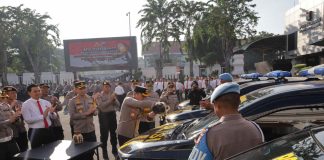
120,93
179,90
213,83
155,86
200,81
187,86
38,113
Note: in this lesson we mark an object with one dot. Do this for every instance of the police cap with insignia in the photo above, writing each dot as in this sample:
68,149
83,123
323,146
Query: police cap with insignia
226,77
9,88
80,84
142,90
106,83
230,87
43,85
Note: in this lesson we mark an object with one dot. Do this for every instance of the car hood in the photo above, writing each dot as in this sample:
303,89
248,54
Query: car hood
159,136
187,114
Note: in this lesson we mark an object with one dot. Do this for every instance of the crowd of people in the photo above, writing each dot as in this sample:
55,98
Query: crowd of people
139,104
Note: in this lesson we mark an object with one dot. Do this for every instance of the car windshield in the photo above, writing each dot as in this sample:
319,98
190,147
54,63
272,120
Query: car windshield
196,126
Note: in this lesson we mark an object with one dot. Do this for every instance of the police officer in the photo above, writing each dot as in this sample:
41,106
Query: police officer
130,116
232,134
8,145
107,103
56,126
146,125
67,87
223,78
169,96
98,87
20,133
82,108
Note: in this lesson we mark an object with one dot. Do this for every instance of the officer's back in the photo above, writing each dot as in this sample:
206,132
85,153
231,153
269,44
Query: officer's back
232,134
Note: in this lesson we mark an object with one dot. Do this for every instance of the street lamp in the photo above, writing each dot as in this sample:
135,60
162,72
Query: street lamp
130,34
129,23
160,64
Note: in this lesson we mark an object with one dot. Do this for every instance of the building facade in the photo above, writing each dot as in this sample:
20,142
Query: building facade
304,28
173,65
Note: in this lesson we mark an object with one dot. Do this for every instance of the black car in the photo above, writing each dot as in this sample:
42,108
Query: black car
305,144
244,89
279,110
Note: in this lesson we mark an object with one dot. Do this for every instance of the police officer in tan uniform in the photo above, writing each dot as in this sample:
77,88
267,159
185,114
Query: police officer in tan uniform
131,112
82,108
56,123
107,105
20,132
145,124
170,97
8,145
232,134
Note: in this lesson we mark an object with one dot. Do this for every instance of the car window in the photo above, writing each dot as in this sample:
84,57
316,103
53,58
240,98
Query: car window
287,121
295,115
296,146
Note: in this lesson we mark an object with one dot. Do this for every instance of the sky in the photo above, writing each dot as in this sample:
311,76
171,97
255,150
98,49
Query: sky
107,18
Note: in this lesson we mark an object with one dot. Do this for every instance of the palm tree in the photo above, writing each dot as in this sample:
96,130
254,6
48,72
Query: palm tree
159,22
191,14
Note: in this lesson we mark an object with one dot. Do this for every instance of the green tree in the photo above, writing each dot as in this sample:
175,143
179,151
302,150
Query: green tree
33,37
225,22
160,21
5,35
191,12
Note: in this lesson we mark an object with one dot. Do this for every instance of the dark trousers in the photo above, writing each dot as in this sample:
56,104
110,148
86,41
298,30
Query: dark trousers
40,136
120,99
58,133
22,141
145,126
8,149
186,93
89,137
108,124
179,95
